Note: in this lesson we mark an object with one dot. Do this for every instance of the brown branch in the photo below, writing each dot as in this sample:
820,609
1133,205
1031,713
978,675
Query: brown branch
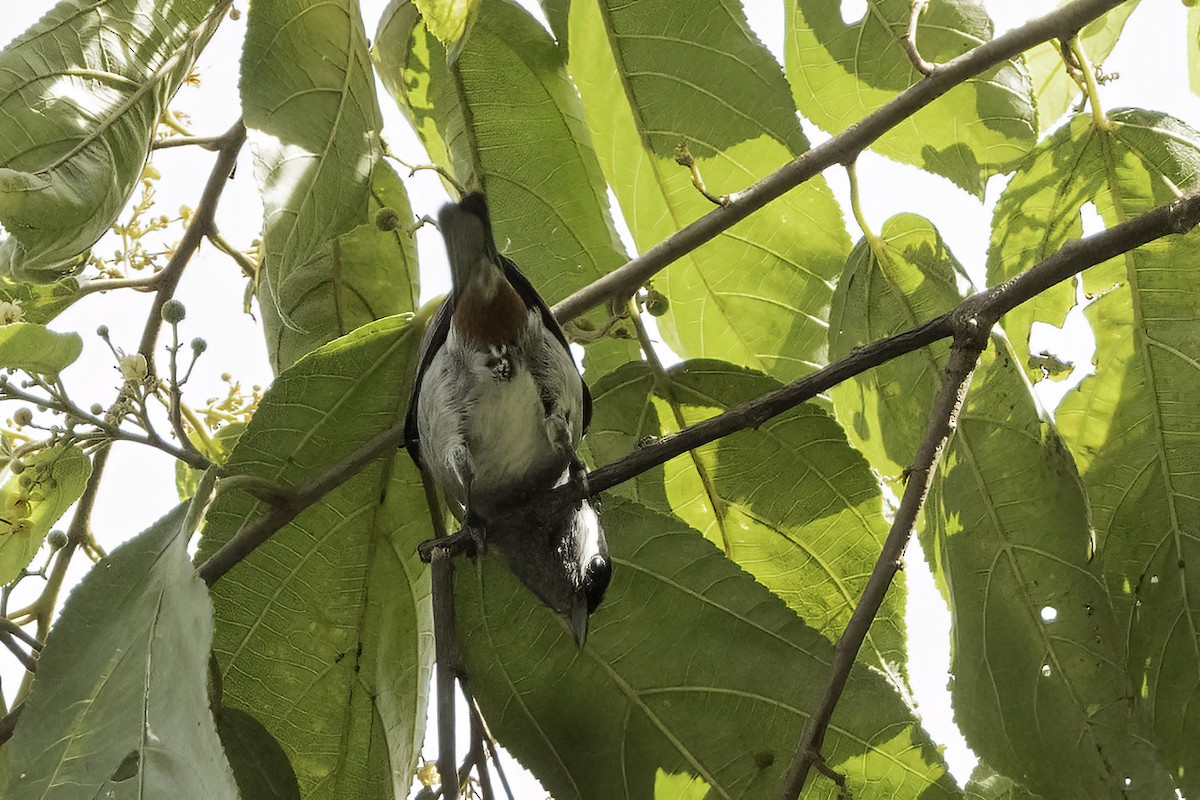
969,342
1178,216
446,654
909,41
287,506
201,223
622,282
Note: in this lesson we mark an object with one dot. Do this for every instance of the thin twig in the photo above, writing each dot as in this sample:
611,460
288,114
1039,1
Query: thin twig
624,281
199,226
207,142
488,740
143,282
301,497
16,630
969,341
909,41
248,267
684,158
26,659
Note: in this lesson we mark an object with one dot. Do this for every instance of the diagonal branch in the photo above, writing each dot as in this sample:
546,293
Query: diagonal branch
969,342
622,282
985,307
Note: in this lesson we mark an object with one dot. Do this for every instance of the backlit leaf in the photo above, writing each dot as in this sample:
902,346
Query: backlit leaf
323,633
653,78
81,95
841,71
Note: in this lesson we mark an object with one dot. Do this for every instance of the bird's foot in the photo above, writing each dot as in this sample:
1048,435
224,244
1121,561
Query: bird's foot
499,361
579,477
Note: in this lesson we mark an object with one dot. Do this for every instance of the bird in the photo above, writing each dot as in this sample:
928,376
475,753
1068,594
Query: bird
496,415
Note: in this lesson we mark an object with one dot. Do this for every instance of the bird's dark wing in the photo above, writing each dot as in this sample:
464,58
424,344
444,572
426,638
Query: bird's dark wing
435,337
534,300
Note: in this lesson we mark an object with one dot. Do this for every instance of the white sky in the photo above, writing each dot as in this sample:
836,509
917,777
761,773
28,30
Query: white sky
1151,60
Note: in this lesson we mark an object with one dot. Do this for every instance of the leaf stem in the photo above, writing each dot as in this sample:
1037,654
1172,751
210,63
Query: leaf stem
1099,118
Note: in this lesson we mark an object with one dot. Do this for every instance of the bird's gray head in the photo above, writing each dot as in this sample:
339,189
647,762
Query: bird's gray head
561,555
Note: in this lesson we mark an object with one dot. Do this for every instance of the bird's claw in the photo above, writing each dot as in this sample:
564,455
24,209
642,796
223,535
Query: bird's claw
579,477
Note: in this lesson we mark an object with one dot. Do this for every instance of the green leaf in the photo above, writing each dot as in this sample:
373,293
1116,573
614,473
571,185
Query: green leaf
652,78
259,764
323,632
1053,89
56,477
790,501
81,94
39,302
187,478
557,14
36,349
448,20
987,785
363,275
840,72
1133,425
691,668
884,410
531,153
309,97
1039,687
119,707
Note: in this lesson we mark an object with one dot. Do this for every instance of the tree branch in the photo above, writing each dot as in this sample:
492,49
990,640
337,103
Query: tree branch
969,342
287,506
622,282
445,637
201,223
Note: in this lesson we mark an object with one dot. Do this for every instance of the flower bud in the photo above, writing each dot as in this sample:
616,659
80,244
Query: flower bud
23,416
56,539
199,345
173,312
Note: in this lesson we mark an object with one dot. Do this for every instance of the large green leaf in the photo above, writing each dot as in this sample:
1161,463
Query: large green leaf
323,633
531,153
37,349
365,274
81,94
309,99
39,302
841,71
1053,89
120,705
31,502
653,78
789,501
1133,425
1039,687
691,670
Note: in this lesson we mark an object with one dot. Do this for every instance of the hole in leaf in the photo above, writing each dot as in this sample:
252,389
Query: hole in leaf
1049,614
1045,670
